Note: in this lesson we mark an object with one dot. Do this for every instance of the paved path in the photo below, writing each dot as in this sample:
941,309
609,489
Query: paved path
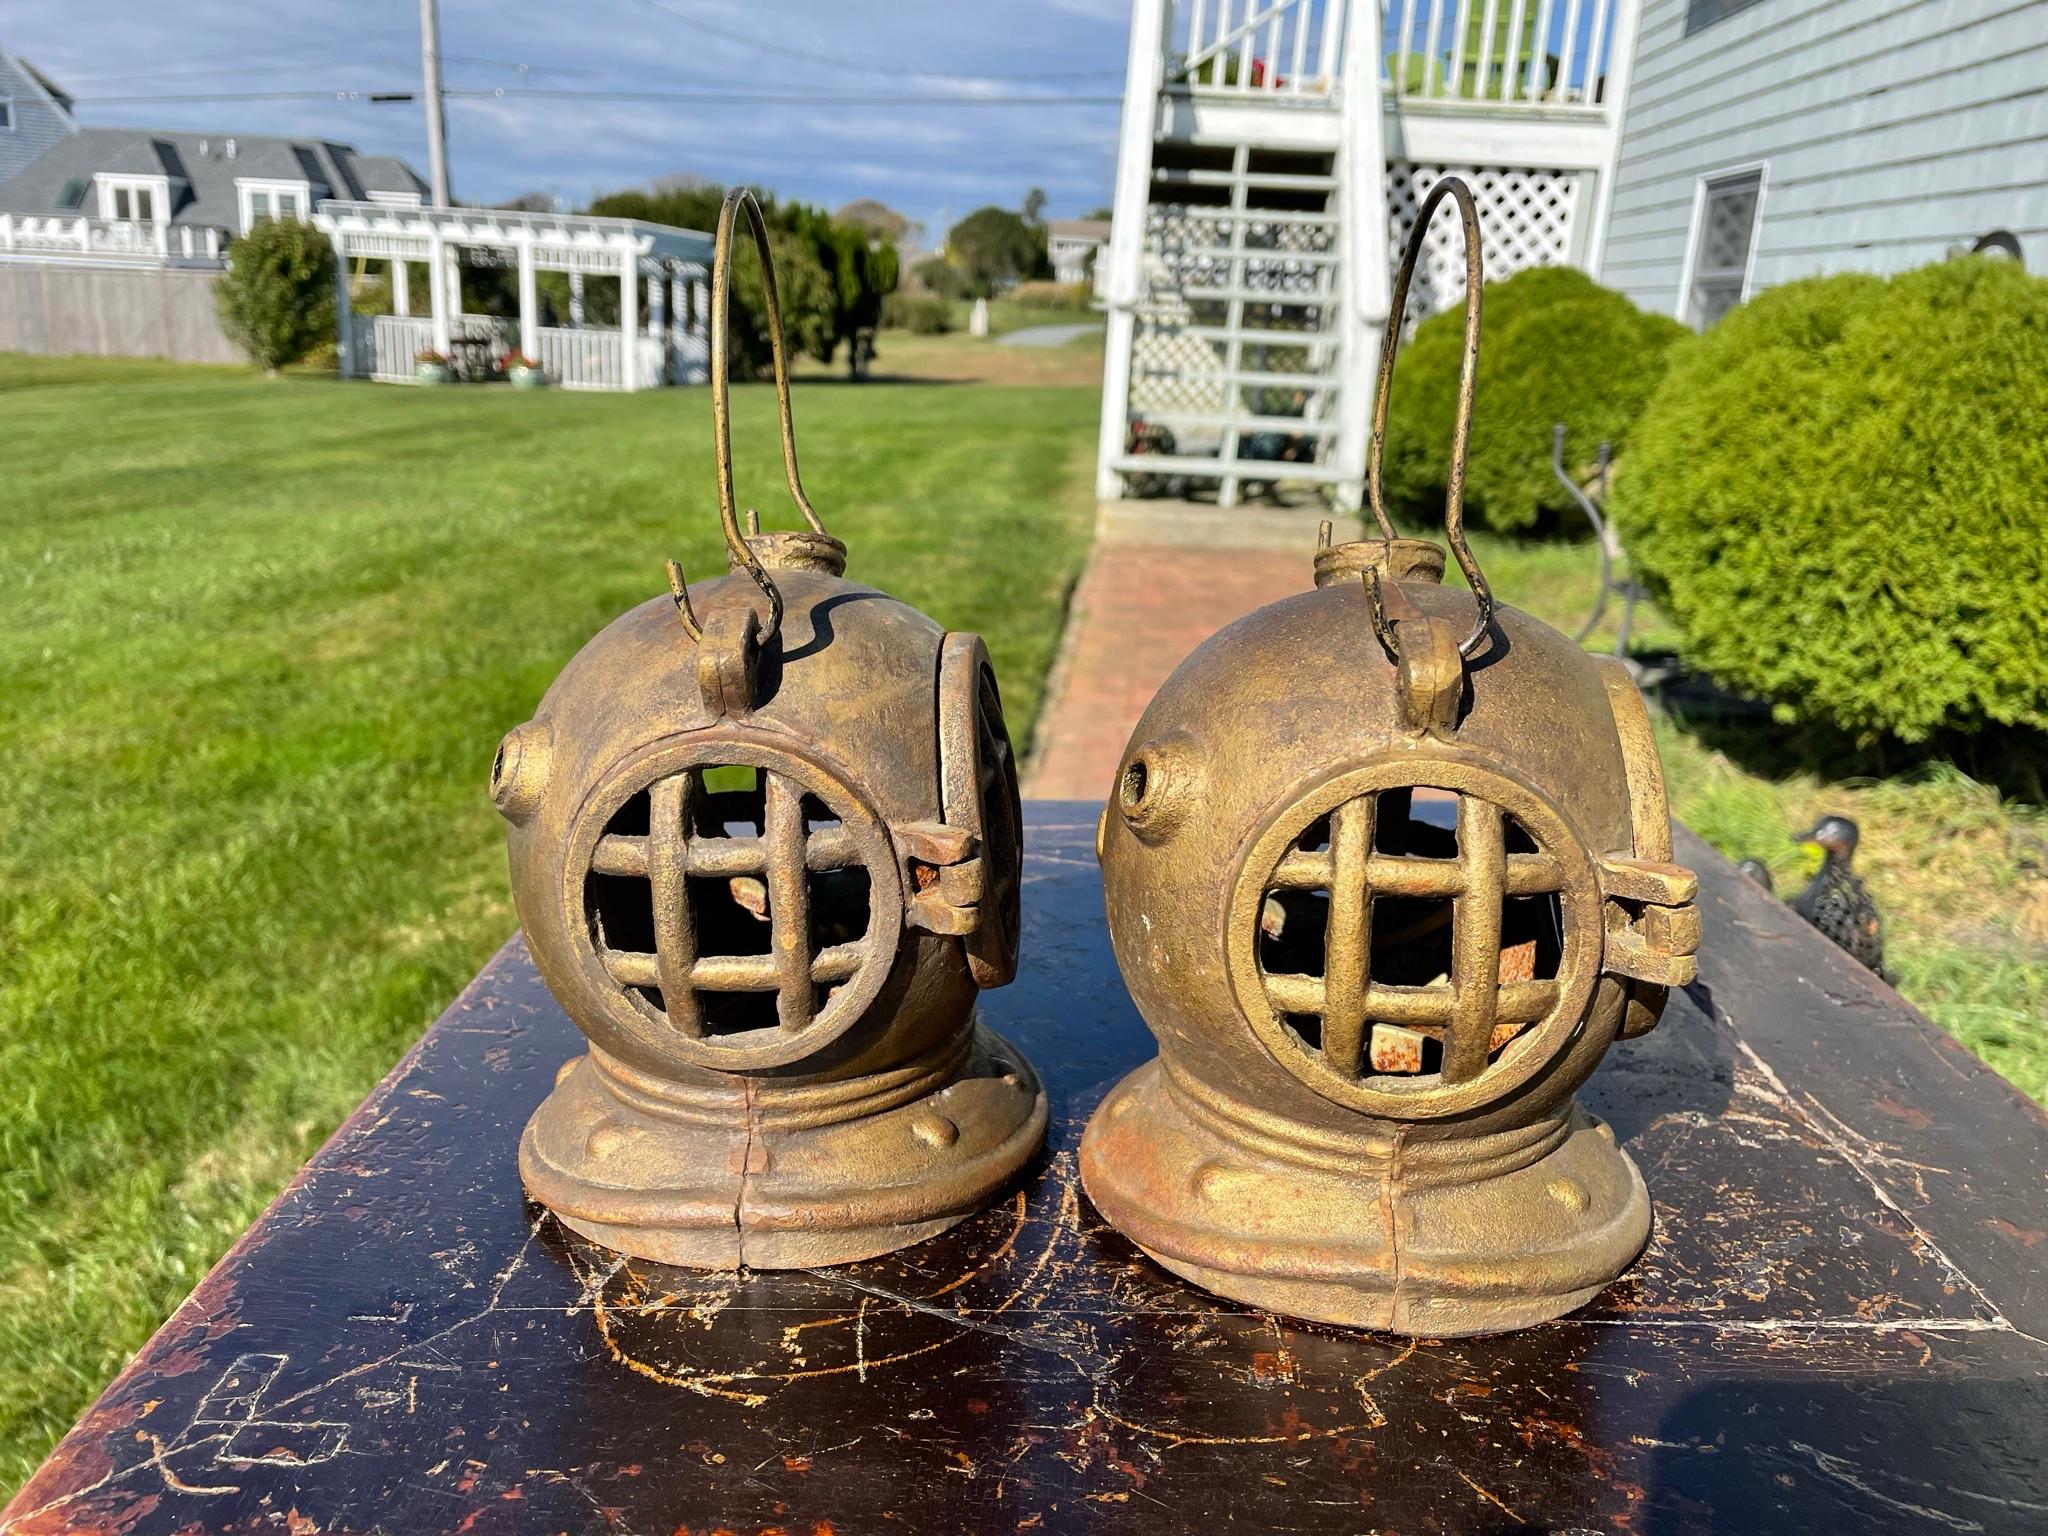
1157,584
1048,335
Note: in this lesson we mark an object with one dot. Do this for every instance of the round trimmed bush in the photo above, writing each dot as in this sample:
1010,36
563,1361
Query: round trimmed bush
1554,346
1840,494
917,313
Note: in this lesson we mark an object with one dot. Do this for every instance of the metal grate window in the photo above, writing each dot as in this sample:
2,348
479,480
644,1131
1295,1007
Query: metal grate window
733,912
1723,240
1390,946
1704,13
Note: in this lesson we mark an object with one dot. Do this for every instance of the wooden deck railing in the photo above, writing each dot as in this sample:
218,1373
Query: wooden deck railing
1482,54
1269,48
1485,54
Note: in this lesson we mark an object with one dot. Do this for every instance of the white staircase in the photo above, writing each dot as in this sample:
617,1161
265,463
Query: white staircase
1272,153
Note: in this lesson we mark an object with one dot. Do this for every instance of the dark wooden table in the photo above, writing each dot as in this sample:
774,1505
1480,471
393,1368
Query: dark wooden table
1838,1327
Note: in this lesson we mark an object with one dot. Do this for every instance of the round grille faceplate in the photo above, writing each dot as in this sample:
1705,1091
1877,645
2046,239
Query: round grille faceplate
738,906
1415,966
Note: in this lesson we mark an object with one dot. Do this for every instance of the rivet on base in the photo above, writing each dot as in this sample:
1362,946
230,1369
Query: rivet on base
935,1131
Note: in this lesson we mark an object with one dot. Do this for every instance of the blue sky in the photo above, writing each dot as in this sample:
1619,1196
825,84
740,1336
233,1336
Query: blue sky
931,160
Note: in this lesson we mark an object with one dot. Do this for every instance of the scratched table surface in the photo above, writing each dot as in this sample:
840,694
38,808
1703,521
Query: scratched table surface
1838,1326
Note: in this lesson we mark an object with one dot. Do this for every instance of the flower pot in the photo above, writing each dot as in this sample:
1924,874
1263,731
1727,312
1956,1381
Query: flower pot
527,378
431,373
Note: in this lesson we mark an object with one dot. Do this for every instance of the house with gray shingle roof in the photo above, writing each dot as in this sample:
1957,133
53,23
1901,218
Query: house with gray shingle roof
111,239
34,114
123,195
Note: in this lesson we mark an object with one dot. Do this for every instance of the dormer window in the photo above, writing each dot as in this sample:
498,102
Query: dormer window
134,199
273,200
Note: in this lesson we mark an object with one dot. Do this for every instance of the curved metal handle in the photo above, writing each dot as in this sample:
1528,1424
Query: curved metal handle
1461,433
721,411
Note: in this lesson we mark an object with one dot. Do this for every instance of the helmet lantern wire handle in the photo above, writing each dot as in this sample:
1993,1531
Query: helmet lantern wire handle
736,546
1461,433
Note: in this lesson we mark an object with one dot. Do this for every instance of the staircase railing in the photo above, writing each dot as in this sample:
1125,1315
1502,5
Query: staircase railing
1485,54
1256,48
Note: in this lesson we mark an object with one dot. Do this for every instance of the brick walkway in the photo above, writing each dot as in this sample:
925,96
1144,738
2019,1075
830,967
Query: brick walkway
1142,604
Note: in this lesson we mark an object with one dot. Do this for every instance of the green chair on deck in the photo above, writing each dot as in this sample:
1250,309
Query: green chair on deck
1496,85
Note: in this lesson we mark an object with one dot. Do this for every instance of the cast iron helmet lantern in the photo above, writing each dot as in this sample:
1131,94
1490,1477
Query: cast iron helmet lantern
1388,868
766,846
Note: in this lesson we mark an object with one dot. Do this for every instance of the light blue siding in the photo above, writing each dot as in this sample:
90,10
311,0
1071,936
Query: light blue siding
1891,132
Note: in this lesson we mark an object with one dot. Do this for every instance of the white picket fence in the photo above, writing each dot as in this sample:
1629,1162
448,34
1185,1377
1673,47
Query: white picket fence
387,347
580,359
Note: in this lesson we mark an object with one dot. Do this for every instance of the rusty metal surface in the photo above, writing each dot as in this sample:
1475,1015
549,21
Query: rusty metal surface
1836,1328
1371,1027
764,843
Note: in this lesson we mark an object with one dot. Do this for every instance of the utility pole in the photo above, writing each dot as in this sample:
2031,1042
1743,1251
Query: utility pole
437,120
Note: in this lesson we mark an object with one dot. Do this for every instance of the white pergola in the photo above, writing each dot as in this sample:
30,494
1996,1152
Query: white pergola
662,342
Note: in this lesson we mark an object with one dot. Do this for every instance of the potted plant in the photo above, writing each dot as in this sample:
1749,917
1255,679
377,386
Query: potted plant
431,367
524,372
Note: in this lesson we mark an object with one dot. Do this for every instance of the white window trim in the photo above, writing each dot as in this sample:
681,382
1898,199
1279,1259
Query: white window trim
245,188
395,199
158,188
13,117
1762,170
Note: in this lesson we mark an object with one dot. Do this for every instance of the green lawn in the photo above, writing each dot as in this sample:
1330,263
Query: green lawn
1007,315
261,640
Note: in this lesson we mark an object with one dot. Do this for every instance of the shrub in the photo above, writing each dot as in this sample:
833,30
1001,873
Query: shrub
1554,347
831,278
1837,493
920,316
937,275
1079,296
276,299
996,249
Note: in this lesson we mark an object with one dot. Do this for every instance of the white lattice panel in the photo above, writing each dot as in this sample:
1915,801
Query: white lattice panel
1175,372
1525,220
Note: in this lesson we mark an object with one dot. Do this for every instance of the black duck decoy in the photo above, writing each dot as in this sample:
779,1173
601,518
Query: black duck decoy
1835,900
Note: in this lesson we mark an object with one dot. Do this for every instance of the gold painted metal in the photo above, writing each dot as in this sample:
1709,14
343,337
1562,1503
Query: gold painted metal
766,847
1388,869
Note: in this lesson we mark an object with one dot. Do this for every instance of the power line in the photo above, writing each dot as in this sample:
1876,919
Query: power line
804,98
841,62
687,98
244,67
404,92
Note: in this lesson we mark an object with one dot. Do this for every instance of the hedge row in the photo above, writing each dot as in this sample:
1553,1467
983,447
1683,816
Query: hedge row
1840,493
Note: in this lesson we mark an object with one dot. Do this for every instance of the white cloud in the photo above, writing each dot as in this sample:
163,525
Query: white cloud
923,158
